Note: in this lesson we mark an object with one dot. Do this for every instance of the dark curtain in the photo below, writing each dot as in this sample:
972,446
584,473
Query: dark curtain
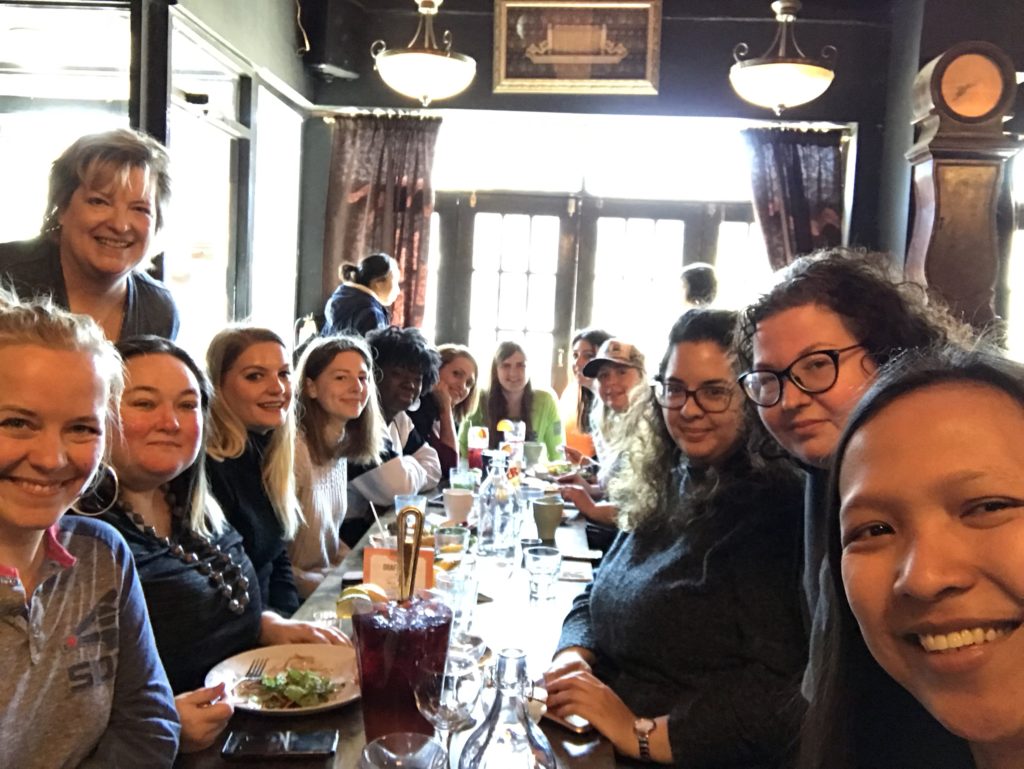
797,179
379,198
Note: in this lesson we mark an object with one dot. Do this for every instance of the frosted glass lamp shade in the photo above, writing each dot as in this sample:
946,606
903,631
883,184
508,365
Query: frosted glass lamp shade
425,74
779,84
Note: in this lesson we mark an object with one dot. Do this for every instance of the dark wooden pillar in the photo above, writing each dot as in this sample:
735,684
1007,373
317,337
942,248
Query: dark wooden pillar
150,67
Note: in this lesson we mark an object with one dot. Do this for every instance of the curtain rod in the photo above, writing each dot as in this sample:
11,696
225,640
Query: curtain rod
335,112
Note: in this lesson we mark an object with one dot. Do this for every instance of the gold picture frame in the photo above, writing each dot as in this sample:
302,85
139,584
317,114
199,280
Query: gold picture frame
577,46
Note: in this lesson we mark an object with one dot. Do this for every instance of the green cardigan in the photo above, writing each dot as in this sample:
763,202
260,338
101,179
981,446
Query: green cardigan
544,420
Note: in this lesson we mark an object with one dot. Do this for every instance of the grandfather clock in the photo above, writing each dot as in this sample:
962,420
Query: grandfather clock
960,101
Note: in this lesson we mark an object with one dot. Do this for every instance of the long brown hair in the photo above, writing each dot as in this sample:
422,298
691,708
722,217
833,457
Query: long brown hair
497,403
364,436
595,337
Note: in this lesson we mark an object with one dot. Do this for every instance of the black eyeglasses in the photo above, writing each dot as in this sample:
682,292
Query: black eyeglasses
712,398
816,372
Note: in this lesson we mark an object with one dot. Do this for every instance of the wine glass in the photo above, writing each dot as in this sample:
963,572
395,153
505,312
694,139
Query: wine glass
447,688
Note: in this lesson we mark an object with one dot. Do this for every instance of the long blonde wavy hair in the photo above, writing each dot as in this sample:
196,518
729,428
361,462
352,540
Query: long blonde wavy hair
228,434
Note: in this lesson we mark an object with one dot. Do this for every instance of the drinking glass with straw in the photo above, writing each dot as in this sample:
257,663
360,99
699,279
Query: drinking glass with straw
392,637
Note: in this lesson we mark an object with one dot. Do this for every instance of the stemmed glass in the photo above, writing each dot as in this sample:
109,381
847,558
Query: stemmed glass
447,688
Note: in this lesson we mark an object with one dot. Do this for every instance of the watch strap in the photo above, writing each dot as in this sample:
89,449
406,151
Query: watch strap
642,728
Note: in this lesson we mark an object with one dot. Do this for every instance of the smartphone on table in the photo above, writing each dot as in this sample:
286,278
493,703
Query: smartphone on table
280,744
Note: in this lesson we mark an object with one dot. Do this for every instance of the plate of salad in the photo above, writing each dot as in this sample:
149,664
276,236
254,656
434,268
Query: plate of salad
297,679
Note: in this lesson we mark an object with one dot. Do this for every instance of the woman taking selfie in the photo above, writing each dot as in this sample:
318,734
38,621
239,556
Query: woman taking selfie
511,396
339,419
925,542
452,398
688,647
107,197
83,685
363,301
200,587
251,445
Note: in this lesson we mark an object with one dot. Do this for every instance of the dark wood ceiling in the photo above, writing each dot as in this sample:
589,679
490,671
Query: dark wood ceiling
831,10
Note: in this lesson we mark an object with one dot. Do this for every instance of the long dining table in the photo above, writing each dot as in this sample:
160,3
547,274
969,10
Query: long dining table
505,617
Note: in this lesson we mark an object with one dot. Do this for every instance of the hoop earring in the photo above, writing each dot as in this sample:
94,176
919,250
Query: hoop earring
101,495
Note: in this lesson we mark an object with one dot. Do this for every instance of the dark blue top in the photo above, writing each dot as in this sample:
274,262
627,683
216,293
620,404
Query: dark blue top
32,268
698,615
352,311
238,486
193,625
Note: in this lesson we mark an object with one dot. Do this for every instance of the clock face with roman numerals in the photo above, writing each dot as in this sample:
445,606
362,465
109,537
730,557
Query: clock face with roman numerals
972,85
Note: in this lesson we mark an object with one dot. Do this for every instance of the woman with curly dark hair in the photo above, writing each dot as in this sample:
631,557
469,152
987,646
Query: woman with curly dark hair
813,345
688,647
404,366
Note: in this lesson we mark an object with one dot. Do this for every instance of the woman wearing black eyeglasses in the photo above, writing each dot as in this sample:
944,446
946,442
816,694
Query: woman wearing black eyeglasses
688,647
812,346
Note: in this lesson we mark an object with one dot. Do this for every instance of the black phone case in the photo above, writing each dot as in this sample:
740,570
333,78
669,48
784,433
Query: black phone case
276,744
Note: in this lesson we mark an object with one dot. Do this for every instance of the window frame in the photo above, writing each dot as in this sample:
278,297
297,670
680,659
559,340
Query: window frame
574,288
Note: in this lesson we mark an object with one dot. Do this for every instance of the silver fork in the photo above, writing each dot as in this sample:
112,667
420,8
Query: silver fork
256,668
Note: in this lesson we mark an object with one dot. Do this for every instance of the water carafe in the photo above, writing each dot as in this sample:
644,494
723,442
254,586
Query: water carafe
497,510
507,738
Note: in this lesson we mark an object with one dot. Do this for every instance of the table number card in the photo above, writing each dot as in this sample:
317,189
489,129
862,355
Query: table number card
380,566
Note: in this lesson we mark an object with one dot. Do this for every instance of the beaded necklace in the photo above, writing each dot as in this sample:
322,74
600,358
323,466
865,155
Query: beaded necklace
224,574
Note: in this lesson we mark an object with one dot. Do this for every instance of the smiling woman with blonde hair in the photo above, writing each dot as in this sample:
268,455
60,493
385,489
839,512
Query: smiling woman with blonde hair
251,445
83,684
106,202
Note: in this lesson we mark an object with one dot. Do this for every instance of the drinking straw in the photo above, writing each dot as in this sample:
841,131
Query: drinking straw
383,531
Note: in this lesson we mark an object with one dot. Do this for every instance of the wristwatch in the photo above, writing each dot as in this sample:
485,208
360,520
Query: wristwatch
642,728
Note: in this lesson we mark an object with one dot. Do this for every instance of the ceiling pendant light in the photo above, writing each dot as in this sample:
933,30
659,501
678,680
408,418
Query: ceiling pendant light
784,76
422,70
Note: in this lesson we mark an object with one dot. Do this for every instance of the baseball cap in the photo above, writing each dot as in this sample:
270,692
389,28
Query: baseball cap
614,351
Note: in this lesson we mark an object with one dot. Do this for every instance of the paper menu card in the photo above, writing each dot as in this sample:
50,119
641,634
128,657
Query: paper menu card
380,566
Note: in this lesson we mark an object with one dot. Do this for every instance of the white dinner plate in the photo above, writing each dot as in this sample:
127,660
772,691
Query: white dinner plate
338,662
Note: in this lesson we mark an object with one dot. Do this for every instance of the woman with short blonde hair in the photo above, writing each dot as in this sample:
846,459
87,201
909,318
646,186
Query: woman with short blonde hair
84,683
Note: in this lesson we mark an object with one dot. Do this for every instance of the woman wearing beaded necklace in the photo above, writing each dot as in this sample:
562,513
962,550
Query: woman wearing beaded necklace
251,443
200,587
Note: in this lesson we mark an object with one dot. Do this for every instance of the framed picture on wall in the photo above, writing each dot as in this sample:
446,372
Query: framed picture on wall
576,46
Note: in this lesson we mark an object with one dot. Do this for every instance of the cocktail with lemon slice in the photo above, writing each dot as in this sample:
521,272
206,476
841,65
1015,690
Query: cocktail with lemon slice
355,597
478,442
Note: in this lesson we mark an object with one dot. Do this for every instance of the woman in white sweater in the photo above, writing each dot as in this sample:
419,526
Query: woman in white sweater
339,419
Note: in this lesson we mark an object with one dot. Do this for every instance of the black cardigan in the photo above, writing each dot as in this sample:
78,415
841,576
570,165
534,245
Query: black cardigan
238,486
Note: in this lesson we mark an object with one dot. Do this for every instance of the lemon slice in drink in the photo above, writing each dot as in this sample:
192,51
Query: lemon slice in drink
504,424
372,589
350,604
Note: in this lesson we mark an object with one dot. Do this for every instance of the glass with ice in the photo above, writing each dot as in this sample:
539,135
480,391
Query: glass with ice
391,637
390,640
